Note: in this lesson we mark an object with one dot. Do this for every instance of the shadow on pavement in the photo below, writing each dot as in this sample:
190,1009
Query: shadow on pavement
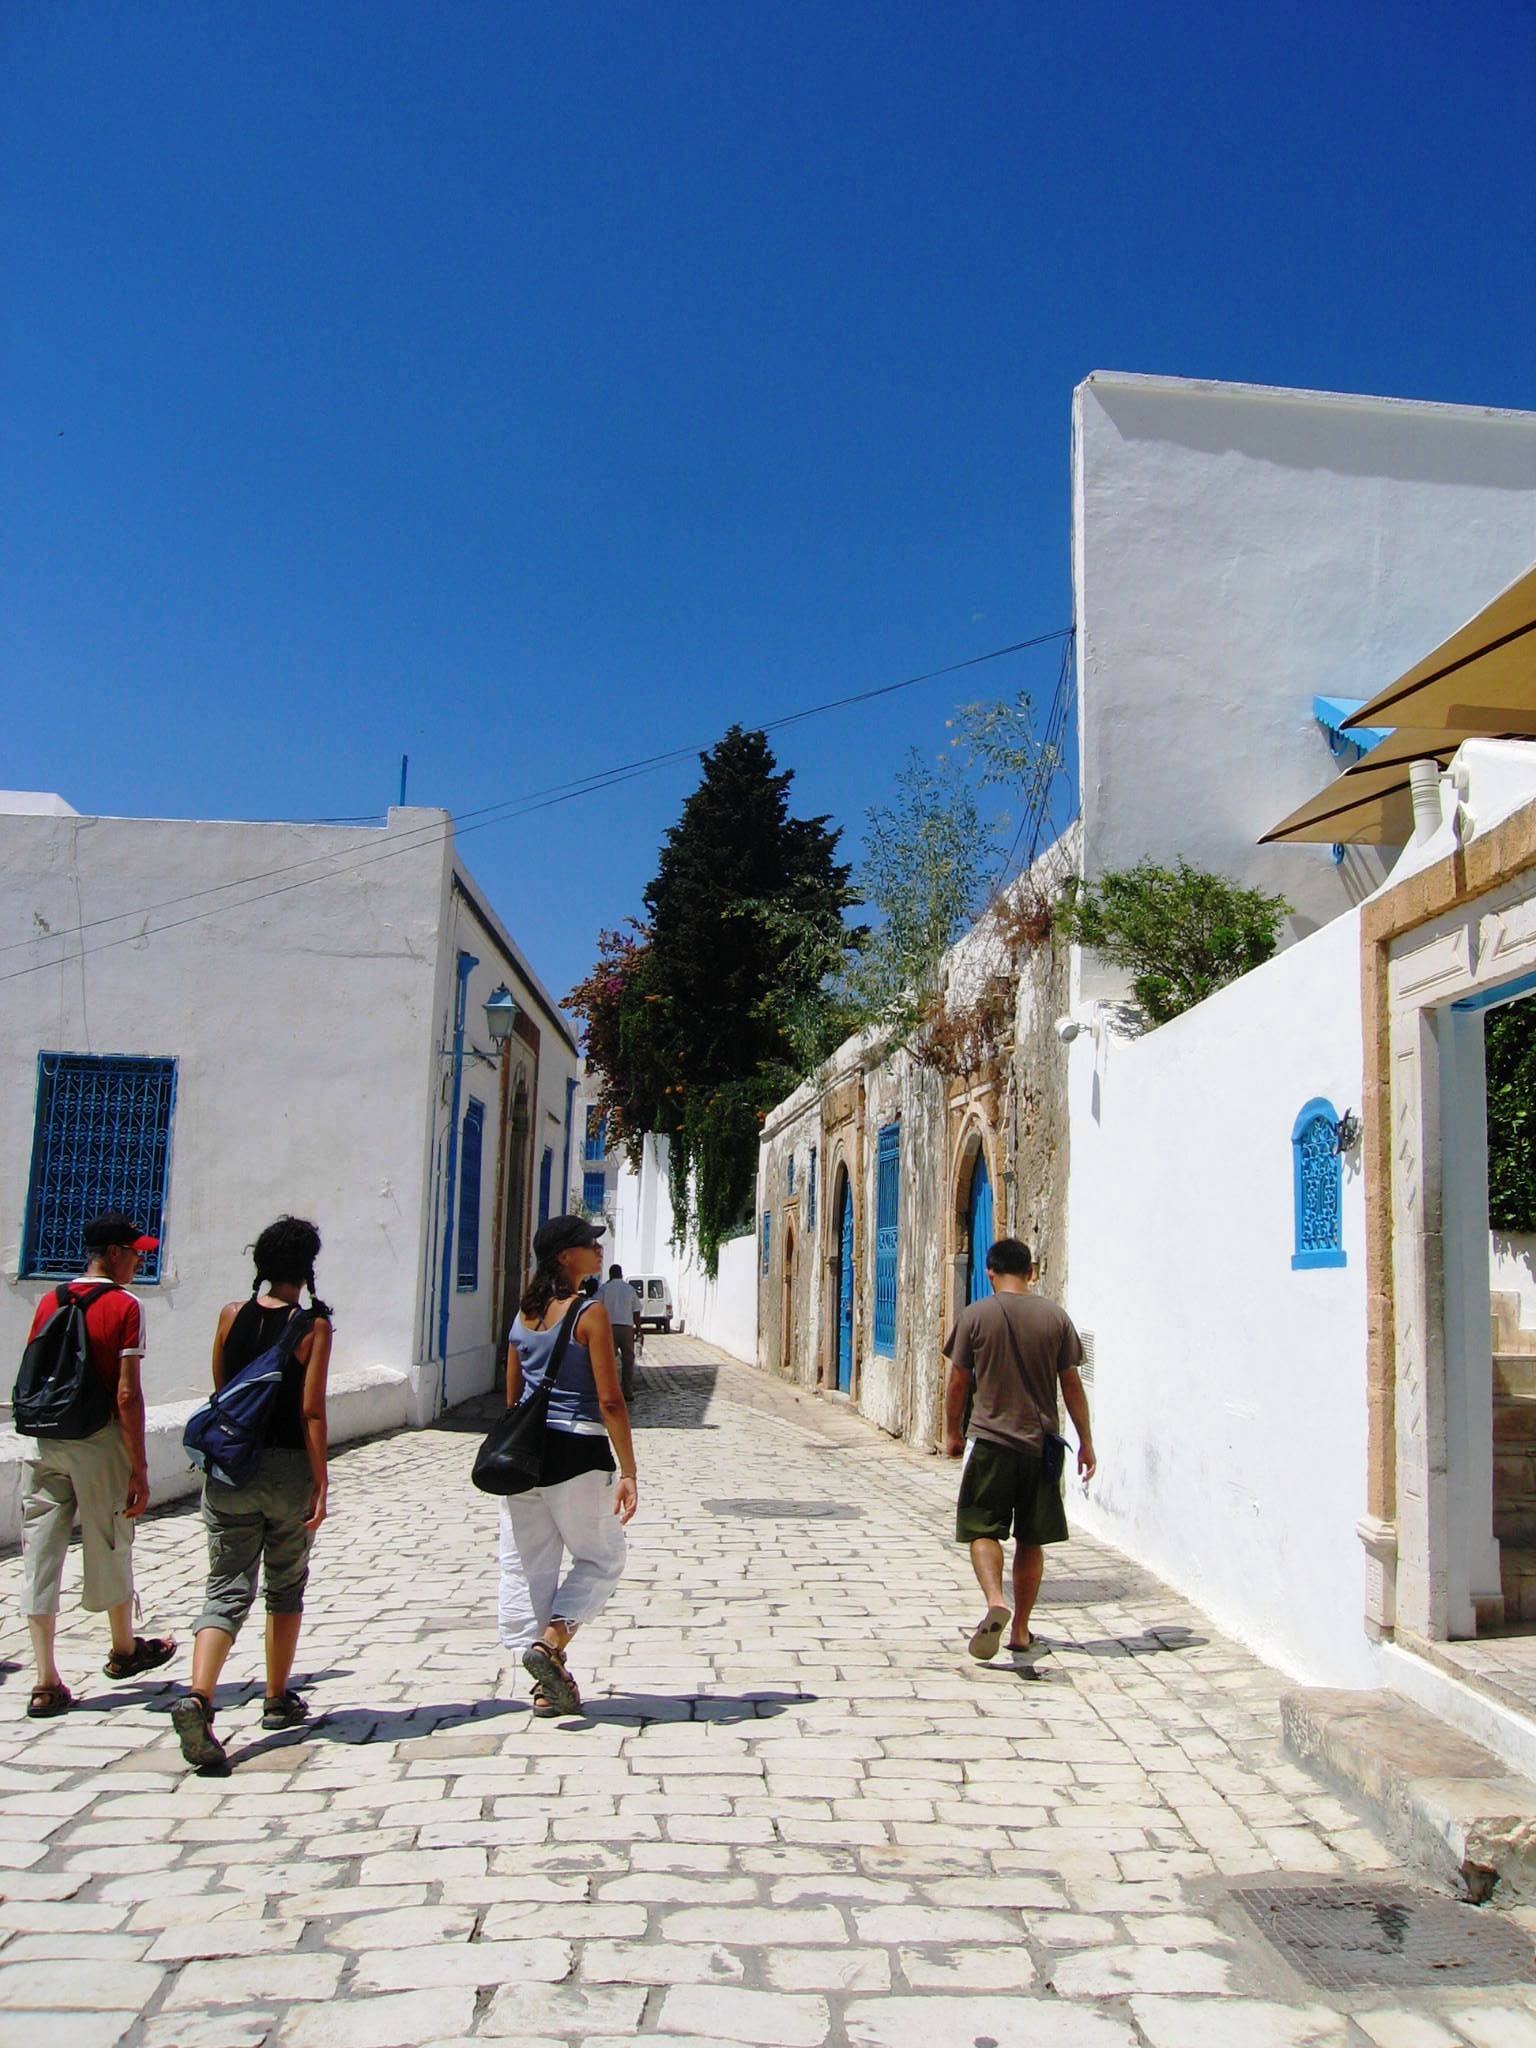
720,1709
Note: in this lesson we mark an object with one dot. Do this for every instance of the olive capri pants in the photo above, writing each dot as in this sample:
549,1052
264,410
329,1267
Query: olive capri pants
260,1524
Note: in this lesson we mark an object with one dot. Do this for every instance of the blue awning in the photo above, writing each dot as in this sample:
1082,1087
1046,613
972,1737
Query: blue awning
1331,712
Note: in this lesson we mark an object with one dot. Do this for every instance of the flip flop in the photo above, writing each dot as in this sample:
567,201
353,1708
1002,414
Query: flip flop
48,1700
1037,1646
989,1633
148,1654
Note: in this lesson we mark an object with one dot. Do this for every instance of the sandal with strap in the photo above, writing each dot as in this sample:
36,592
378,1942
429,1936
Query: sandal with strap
543,1707
48,1700
546,1667
148,1654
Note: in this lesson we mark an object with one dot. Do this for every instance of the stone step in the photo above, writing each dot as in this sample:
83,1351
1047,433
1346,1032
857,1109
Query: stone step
1514,1375
1514,1419
1517,1577
1449,1805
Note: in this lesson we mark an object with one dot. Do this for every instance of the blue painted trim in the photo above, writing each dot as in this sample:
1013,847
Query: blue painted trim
767,1239
467,963
1317,1257
570,1125
1331,712
147,1197
1490,998
887,1237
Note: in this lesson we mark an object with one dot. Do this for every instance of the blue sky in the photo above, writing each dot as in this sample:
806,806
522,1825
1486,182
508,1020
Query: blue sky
533,388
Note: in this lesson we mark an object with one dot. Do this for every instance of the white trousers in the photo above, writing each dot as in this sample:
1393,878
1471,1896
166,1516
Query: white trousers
536,1529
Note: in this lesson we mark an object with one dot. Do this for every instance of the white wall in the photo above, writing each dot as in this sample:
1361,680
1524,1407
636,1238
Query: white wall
1228,1391
1512,1270
722,1311
1238,550
302,1030
307,1025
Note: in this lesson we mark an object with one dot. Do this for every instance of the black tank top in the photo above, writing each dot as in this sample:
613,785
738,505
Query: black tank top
254,1330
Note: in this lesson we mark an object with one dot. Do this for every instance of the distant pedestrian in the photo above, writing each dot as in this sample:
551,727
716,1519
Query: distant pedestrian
1008,1354
580,1503
269,1523
100,1473
618,1297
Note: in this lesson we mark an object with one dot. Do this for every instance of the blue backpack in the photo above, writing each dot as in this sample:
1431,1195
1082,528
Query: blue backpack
227,1436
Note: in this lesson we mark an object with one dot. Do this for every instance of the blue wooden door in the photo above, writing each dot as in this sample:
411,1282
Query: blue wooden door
845,1291
983,1231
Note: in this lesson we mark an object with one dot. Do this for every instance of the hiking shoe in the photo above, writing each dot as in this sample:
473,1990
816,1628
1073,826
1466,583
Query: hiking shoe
202,1749
283,1710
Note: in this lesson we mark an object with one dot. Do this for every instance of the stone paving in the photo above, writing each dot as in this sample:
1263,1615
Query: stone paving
795,1814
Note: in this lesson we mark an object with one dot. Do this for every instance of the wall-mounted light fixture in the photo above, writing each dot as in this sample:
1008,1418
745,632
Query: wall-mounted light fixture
502,1010
1346,1133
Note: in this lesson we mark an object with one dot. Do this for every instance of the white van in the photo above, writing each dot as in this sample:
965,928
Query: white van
654,1307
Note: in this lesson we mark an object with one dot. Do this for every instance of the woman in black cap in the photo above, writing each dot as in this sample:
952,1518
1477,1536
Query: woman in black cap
582,1498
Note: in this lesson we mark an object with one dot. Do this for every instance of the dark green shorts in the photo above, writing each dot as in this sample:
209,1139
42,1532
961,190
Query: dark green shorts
1003,1491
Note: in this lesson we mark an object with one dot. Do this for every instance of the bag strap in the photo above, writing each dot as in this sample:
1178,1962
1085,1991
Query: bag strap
1048,1424
567,1326
65,1294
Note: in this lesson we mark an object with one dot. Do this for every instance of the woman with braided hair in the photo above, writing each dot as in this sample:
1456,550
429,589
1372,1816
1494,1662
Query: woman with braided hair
268,1523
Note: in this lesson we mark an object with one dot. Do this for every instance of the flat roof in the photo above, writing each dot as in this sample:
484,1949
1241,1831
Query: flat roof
1285,394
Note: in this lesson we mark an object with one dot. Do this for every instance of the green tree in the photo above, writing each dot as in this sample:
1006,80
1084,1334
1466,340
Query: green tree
931,863
1181,932
1511,1045
724,1000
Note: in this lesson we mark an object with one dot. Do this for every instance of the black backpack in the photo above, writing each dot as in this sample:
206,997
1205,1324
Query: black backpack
59,1393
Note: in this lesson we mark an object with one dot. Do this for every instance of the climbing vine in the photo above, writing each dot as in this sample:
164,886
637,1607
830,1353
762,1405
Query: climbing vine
1511,1046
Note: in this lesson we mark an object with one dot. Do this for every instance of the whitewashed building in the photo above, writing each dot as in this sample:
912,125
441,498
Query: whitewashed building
1290,1358
210,1024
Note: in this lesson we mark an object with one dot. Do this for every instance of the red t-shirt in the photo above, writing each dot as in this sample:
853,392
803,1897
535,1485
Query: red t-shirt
114,1324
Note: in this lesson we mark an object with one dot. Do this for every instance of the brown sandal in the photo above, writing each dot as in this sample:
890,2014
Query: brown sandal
546,1667
148,1654
48,1700
543,1707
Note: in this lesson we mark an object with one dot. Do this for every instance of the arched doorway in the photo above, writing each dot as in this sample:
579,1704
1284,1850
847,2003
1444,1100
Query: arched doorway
843,1324
980,1231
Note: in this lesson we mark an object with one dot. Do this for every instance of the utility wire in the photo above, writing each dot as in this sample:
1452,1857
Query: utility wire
460,825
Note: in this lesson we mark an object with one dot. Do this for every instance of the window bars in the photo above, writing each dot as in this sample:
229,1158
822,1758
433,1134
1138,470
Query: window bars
102,1141
1318,1187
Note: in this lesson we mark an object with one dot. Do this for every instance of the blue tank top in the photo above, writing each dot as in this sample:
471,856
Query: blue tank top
573,1405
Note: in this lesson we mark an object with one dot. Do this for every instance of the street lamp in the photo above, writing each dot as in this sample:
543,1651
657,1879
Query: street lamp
502,1011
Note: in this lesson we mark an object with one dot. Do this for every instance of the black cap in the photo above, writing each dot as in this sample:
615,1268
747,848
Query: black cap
566,1234
103,1232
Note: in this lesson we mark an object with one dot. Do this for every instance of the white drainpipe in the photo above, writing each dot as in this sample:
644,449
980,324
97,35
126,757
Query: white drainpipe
1424,785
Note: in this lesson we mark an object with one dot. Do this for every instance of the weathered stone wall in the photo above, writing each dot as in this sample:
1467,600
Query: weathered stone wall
1012,1114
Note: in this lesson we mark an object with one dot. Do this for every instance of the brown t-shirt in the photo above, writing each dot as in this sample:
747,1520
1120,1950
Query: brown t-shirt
1007,1405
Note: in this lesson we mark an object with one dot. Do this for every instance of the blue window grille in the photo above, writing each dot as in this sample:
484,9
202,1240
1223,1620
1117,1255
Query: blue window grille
810,1190
887,1233
471,1155
546,1179
102,1141
594,1187
791,1173
767,1238
1318,1187
597,1135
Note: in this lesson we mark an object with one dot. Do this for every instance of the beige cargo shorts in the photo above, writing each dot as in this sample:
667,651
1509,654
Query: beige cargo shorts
89,1477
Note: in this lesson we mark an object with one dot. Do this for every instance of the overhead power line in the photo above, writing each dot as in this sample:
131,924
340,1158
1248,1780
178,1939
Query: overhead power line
334,865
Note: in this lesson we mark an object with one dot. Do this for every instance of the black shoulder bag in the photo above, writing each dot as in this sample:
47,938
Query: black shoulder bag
510,1459
1053,1448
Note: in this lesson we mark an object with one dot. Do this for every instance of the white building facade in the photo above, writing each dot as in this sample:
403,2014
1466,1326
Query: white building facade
212,1024
1237,554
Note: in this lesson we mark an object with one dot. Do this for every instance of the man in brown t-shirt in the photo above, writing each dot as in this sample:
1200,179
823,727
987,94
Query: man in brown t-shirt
1008,1354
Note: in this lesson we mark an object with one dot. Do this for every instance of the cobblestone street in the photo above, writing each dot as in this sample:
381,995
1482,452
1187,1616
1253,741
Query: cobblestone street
795,1814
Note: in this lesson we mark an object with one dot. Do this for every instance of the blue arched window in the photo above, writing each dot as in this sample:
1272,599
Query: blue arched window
1319,1187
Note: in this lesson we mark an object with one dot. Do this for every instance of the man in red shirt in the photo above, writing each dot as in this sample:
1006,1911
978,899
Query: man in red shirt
103,1477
